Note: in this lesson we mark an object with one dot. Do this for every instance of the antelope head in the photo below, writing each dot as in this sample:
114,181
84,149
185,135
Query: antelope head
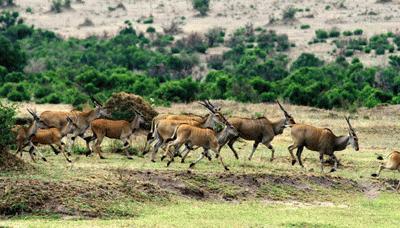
139,119
289,120
69,127
215,120
353,139
36,120
99,109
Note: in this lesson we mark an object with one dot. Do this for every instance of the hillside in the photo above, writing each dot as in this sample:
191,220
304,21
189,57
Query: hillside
371,16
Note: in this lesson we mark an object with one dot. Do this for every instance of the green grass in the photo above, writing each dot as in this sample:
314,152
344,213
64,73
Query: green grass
356,212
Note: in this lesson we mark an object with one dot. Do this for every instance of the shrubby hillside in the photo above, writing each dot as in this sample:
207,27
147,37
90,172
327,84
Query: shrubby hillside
38,65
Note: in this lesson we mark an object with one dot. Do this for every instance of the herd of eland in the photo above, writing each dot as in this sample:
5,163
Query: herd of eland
171,132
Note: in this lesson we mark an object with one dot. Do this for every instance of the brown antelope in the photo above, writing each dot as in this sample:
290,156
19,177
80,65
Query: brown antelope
52,136
151,136
58,119
260,130
24,134
393,163
206,138
321,140
115,129
165,128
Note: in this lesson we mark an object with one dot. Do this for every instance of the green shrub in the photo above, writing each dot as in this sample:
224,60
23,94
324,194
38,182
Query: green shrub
306,60
321,34
56,6
289,13
150,30
348,52
334,33
347,33
358,32
11,55
367,50
202,6
7,121
148,20
380,50
305,26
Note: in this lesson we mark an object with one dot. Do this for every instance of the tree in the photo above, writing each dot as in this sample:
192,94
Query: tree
202,6
11,55
306,60
7,121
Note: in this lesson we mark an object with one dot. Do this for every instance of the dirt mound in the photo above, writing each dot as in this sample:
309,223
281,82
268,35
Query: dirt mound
10,162
123,106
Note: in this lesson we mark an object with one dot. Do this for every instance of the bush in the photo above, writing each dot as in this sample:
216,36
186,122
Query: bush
148,20
215,36
202,6
348,52
334,33
56,6
305,26
289,13
358,32
321,34
7,121
347,33
380,50
11,55
306,60
150,30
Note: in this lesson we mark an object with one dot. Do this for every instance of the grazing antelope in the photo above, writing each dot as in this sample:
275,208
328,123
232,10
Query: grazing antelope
322,140
58,119
260,130
393,163
52,136
24,134
206,138
114,129
164,129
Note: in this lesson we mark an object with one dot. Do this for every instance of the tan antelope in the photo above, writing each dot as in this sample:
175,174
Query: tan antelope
115,129
24,134
322,140
393,163
165,128
260,130
151,137
82,119
52,136
206,138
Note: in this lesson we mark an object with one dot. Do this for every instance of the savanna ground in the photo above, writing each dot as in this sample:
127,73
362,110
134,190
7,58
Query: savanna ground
120,192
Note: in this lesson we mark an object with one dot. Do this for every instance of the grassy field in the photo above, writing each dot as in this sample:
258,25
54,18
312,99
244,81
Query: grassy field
118,192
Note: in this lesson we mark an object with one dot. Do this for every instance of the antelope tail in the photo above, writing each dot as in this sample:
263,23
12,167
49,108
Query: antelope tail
150,135
173,137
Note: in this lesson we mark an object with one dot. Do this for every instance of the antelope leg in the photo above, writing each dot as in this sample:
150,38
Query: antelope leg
255,145
230,144
291,148
198,159
335,164
321,159
298,154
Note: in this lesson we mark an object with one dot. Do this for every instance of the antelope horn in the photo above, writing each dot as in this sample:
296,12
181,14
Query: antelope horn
284,111
208,106
32,112
96,101
348,122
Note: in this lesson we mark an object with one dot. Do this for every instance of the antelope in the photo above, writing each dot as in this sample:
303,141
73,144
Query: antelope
260,130
206,138
24,134
393,163
165,128
58,119
115,129
322,140
52,136
151,137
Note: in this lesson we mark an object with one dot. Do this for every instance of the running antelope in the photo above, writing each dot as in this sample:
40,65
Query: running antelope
151,136
114,129
164,129
52,136
24,134
322,140
260,130
206,138
393,163
82,119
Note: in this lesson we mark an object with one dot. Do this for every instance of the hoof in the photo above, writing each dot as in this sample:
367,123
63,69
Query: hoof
145,152
249,159
272,159
293,162
374,175
152,160
182,161
69,154
68,160
209,158
44,159
169,163
129,157
191,165
163,157
101,157
226,168
333,170
88,153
